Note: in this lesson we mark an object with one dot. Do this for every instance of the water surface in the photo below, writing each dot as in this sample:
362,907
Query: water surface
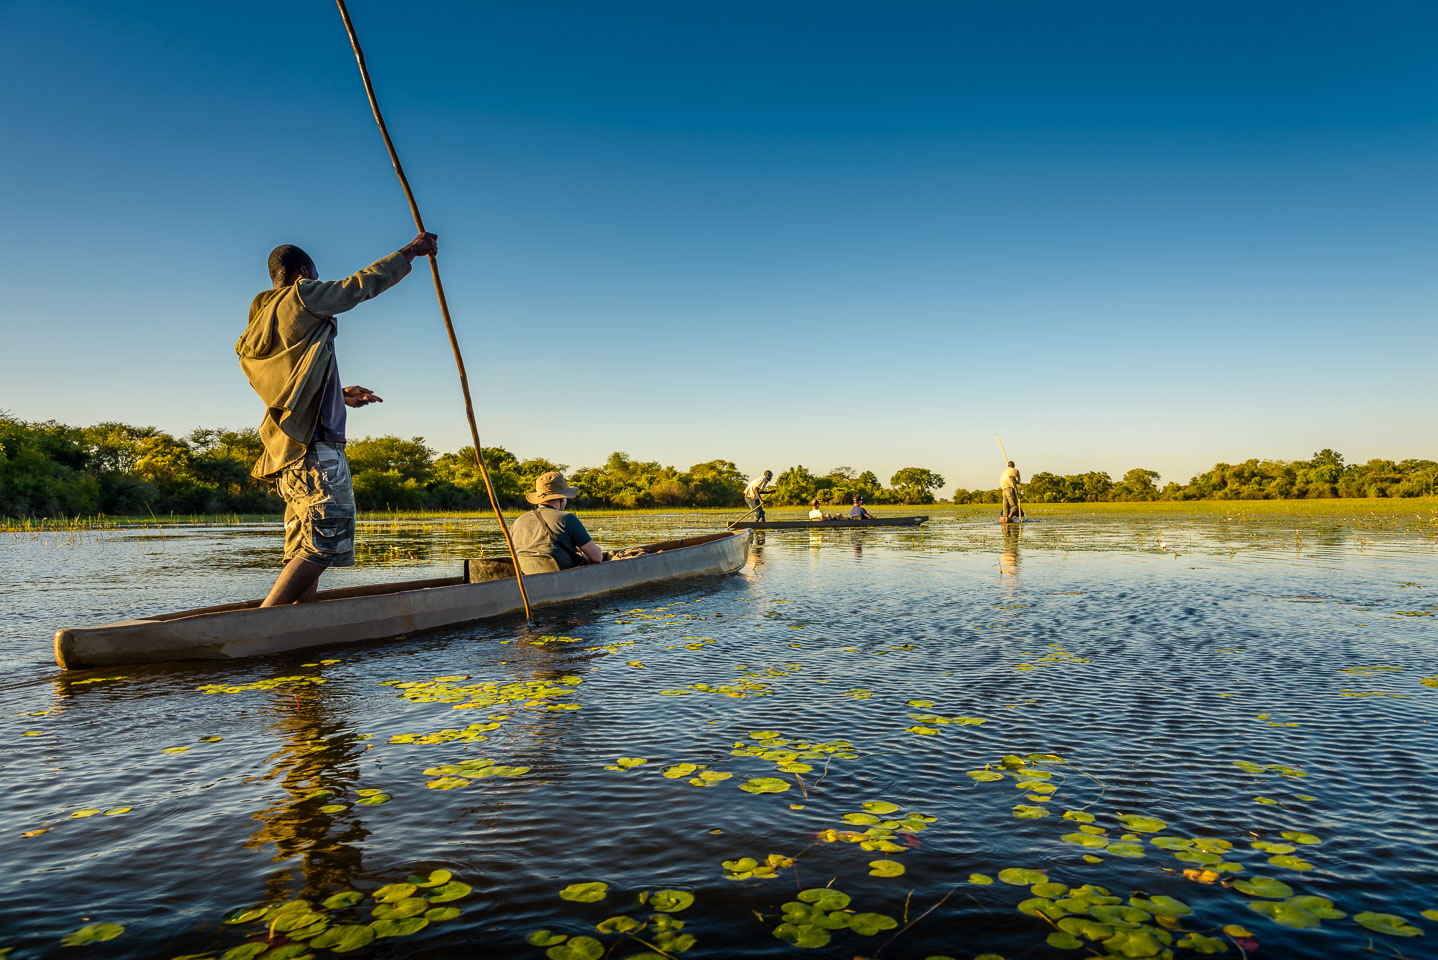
1216,681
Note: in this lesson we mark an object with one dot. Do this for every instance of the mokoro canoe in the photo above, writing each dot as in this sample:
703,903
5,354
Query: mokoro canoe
843,523
383,611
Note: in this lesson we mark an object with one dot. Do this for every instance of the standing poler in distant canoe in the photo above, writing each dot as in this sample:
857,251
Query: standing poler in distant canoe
287,352
754,495
1009,482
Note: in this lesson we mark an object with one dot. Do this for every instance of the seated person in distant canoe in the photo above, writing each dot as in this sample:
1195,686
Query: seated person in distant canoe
548,538
816,513
857,511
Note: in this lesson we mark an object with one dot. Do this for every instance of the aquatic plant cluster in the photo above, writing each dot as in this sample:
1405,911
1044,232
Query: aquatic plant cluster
780,764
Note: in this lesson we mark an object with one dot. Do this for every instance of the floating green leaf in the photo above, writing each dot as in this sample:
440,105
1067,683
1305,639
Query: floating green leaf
1141,824
1263,887
671,901
765,785
1161,906
1084,839
576,948
243,915
92,933
438,914
344,937
401,909
1386,923
244,951
679,770
885,868
869,924
454,890
620,924
1290,863
436,878
825,898
1122,849
394,892
802,935
1203,944
987,776
1019,877
585,892
545,938
980,879
881,807
1025,811
1285,913
1297,837
399,928
1049,890
341,900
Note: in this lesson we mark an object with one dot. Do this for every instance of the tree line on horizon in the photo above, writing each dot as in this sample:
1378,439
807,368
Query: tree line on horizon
51,469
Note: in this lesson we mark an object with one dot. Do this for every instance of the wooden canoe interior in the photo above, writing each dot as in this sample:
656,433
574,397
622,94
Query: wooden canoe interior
376,589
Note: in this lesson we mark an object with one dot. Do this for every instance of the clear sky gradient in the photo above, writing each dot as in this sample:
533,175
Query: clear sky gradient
1118,234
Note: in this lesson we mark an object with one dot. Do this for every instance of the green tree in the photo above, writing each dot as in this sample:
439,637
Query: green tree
915,484
1137,484
715,483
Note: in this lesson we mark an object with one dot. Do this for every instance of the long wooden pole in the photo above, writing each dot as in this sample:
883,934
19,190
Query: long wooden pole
1017,502
443,303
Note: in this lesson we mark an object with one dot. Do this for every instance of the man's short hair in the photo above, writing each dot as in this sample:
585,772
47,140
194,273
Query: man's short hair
288,261
1011,463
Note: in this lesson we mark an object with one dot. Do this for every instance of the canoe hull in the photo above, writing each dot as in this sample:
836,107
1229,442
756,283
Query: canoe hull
840,524
360,614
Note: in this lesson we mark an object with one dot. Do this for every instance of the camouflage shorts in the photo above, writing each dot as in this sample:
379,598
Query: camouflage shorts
319,507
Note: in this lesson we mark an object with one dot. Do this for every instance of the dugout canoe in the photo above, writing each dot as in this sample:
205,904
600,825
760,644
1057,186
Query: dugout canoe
384,611
843,523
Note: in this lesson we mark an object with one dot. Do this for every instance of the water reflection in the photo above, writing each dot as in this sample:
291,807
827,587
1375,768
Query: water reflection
318,752
1009,559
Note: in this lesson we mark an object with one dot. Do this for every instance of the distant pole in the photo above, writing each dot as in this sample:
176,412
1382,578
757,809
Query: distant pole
443,303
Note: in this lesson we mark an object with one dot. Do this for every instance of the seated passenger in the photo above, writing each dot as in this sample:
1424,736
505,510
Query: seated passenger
816,513
547,538
857,511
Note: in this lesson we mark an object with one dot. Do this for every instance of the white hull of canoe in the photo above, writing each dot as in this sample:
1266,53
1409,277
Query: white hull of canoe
376,613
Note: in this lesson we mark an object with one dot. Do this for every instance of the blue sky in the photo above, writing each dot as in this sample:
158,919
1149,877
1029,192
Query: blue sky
1118,234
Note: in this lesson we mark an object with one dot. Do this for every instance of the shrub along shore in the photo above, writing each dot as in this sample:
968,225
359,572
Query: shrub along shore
115,470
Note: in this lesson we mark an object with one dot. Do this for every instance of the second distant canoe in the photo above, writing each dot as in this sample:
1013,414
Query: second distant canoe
843,523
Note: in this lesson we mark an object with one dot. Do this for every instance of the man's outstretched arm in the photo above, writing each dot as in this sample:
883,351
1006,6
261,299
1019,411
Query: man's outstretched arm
325,298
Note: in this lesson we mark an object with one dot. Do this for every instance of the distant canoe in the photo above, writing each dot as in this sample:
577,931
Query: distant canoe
383,611
843,523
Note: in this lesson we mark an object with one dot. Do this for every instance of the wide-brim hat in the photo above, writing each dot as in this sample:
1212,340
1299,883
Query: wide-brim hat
551,486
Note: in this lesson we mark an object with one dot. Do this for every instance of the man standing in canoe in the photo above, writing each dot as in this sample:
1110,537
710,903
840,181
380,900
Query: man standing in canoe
1009,482
754,495
287,353
549,533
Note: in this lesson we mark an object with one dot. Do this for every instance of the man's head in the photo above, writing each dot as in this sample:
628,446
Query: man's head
768,474
858,499
815,504
1011,463
551,490
289,263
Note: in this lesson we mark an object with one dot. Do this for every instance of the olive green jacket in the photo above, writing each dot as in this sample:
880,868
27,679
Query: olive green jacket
288,349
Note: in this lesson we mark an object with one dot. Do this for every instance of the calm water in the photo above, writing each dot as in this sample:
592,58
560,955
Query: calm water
1216,683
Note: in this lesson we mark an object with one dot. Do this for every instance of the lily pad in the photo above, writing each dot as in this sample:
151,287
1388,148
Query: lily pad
545,938
679,770
980,879
339,901
1063,941
576,948
1161,906
765,785
244,915
1019,877
1297,837
1290,863
869,924
881,807
1140,824
1025,811
1386,923
400,909
1122,849
629,762
92,933
825,898
394,892
439,914
1084,839
1263,887
454,890
399,928
671,901
436,878
1285,914
620,924
802,935
1078,816
986,776
585,892
885,868
344,937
